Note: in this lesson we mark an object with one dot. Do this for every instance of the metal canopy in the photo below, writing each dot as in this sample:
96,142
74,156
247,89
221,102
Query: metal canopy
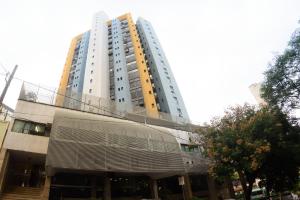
94,143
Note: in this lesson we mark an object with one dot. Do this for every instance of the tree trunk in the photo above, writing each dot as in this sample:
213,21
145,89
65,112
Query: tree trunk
280,196
267,191
229,185
247,189
243,182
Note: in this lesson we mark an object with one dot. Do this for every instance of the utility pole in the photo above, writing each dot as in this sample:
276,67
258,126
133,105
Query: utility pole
7,84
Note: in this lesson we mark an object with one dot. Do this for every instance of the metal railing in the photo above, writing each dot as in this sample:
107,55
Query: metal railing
88,103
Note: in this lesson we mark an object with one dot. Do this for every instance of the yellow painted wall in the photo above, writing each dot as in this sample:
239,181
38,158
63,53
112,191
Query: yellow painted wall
149,98
65,75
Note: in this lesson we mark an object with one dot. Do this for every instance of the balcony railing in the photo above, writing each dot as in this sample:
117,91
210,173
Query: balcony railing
88,103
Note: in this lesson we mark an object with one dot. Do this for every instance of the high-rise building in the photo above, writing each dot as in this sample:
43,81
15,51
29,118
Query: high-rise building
124,62
255,89
80,148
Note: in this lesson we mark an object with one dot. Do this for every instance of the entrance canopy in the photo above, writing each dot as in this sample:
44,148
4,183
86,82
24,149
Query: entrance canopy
94,143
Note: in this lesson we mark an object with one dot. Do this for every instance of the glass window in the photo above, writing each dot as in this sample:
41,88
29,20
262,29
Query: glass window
31,128
18,126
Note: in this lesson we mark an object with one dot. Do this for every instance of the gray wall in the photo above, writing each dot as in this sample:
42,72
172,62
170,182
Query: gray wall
169,97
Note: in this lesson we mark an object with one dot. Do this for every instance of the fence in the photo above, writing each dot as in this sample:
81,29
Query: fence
88,103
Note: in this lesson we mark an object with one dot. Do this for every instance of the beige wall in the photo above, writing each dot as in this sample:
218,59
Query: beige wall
3,128
34,111
27,143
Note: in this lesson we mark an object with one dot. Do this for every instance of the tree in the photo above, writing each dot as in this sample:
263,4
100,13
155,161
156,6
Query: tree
248,141
280,168
281,87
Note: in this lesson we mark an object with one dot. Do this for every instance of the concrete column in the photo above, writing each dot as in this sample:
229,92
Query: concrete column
211,188
154,189
94,188
4,160
188,194
107,188
46,189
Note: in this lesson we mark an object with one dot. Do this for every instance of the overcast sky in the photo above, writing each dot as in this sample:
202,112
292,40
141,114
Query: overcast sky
216,48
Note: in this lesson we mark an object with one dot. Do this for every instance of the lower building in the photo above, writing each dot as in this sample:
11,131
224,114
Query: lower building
52,152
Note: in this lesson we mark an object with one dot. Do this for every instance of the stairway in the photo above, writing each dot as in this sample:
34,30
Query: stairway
22,193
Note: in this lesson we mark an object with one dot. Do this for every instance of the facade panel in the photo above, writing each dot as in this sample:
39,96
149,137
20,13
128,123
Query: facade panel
121,79
96,80
66,72
168,94
124,62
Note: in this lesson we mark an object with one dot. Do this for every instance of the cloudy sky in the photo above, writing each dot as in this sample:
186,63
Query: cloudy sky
216,48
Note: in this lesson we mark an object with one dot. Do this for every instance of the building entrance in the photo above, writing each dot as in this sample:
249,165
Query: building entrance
71,186
25,170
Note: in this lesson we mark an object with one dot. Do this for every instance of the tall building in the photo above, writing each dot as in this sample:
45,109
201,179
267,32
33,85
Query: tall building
124,62
77,148
255,89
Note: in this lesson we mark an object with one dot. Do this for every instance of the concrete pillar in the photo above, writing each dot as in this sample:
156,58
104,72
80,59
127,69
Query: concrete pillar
46,189
188,194
94,188
154,189
212,188
107,188
4,160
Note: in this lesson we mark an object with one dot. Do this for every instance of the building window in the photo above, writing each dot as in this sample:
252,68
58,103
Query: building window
92,71
90,91
189,148
91,80
123,99
31,128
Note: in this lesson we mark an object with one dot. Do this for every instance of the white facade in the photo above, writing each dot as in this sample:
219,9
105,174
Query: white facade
96,78
255,90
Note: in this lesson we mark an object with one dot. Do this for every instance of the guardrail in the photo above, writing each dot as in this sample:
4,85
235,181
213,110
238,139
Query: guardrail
88,103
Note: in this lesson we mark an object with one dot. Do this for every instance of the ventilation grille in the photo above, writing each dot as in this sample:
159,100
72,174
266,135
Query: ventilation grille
108,144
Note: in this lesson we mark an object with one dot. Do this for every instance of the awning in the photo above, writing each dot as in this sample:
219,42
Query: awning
95,143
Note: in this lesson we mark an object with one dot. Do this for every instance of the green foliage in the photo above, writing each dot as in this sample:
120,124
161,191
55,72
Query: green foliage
281,86
254,143
281,167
